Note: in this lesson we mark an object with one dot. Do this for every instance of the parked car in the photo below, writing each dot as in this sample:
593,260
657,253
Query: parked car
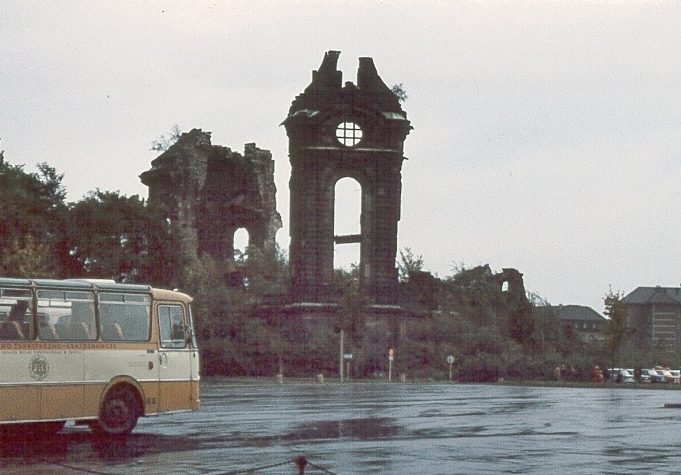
628,375
668,376
644,376
621,375
651,376
677,375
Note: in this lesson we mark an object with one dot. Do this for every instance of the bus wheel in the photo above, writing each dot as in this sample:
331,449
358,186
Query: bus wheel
119,413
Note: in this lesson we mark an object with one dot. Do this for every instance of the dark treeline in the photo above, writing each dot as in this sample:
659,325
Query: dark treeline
490,333
104,235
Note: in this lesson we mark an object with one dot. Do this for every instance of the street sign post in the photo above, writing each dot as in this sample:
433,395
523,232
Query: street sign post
391,354
347,357
450,360
340,369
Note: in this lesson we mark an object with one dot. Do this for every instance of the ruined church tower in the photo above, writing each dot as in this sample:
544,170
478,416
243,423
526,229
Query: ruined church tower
336,131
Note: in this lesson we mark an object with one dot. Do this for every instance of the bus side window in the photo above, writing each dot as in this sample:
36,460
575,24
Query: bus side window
16,314
17,326
110,329
66,315
171,326
124,317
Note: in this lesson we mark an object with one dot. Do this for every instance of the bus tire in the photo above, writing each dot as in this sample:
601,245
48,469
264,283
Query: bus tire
119,413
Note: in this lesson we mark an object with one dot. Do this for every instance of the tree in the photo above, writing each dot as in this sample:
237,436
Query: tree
616,331
408,263
264,273
30,259
352,302
163,143
399,91
32,211
521,320
109,237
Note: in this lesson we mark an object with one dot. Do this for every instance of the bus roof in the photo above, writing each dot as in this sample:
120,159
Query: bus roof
82,284
92,284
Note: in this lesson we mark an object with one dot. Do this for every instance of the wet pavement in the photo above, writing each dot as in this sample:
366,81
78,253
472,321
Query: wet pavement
384,428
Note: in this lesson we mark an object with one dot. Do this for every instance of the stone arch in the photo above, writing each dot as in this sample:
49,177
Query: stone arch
206,192
511,281
347,228
241,240
319,159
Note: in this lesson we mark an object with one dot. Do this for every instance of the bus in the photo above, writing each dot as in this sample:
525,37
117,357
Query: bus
94,352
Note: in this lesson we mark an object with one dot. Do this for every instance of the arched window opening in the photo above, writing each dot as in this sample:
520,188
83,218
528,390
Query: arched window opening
241,239
347,225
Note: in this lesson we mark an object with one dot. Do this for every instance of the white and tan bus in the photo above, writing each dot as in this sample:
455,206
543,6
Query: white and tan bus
94,352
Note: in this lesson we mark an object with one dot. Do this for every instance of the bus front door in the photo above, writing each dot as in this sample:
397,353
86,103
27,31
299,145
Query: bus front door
175,358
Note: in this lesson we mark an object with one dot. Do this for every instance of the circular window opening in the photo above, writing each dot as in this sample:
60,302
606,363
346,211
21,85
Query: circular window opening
349,133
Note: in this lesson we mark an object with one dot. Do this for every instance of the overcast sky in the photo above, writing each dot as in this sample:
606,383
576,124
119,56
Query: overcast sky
547,135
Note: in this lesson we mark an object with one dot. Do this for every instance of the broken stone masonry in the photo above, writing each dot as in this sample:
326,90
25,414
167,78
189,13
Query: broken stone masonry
207,192
344,130
424,290
336,131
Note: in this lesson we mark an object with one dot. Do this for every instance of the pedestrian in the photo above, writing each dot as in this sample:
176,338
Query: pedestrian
597,376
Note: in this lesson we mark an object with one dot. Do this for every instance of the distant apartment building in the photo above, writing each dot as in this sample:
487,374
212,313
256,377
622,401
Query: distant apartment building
655,315
587,323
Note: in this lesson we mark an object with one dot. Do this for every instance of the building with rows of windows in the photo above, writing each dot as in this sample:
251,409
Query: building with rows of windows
655,315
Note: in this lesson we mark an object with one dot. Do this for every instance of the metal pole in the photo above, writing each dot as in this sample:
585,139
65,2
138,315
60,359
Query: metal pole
300,462
341,357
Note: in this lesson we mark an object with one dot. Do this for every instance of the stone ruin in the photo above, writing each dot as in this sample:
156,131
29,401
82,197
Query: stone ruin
207,192
423,291
338,130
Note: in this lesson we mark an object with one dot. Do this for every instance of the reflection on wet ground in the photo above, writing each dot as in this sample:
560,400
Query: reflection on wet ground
360,429
75,442
379,428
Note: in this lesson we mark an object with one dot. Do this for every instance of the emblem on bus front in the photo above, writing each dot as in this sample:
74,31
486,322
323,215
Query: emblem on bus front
38,368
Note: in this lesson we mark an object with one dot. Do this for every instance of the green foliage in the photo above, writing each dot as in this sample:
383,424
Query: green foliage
31,258
164,142
616,332
408,264
521,320
399,91
471,293
108,237
491,333
264,273
232,340
32,211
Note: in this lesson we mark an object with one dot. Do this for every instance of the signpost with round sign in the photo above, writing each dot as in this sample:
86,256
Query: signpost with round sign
450,360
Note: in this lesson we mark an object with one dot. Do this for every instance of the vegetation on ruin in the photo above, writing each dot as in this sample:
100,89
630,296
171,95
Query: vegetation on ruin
491,334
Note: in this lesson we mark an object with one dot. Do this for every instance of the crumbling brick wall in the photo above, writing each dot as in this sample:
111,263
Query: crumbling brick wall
207,192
